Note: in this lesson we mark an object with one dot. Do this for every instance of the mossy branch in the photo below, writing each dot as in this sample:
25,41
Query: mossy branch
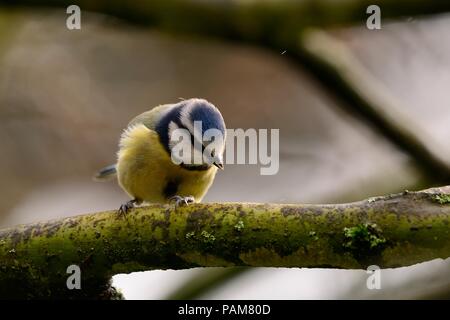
391,231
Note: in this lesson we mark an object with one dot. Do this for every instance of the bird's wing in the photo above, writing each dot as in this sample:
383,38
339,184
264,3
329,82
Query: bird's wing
150,118
106,173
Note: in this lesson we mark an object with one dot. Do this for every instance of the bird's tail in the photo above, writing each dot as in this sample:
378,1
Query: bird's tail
107,173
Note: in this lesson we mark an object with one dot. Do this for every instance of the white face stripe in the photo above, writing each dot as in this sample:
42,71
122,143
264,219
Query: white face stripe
186,121
172,127
192,153
185,116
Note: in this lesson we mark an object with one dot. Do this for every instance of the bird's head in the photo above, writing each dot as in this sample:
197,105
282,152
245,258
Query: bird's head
204,125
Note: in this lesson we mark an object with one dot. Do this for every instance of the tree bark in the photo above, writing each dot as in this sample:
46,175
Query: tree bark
392,231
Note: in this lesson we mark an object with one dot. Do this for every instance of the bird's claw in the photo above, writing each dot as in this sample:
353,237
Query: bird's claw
124,208
182,201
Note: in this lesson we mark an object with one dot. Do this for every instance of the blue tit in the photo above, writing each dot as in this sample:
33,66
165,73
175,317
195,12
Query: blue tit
145,168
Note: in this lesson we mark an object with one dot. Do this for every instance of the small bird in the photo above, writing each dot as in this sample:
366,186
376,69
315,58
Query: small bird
145,169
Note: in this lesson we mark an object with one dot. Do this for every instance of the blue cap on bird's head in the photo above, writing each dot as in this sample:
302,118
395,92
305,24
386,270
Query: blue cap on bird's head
205,124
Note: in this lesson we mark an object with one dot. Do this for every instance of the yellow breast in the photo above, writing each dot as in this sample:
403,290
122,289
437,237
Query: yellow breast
146,172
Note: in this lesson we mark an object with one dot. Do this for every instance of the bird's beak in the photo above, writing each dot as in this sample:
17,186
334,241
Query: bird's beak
219,165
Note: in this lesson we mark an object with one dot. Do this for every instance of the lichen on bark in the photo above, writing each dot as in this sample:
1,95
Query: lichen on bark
391,231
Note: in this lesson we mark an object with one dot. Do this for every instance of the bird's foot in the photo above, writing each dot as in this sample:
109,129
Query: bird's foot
182,201
124,208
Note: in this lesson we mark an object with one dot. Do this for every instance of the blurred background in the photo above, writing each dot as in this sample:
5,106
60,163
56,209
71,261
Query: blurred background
361,113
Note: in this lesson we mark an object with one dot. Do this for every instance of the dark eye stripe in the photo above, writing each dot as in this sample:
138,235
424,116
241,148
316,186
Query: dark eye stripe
193,138
210,119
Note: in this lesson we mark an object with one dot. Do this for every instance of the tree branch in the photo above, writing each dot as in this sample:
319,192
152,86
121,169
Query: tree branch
272,23
392,231
336,66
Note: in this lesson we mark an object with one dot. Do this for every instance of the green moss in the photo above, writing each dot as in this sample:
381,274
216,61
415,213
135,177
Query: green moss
204,237
207,237
265,257
190,235
205,260
442,198
367,234
158,233
364,241
313,235
239,226
124,267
